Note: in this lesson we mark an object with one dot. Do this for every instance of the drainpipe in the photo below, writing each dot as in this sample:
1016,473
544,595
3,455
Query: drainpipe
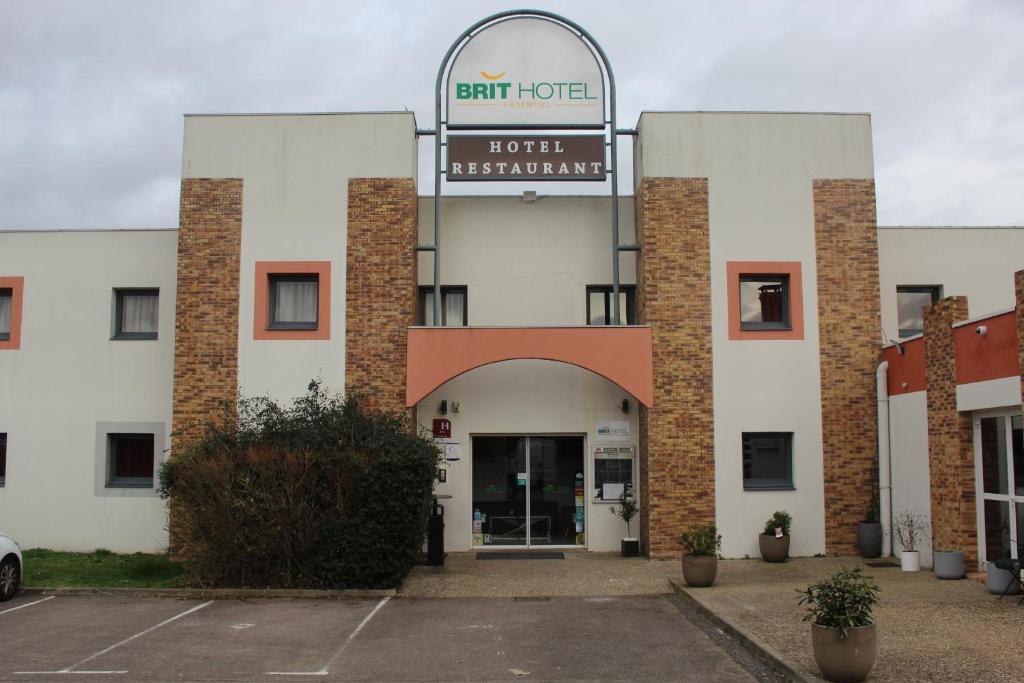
884,461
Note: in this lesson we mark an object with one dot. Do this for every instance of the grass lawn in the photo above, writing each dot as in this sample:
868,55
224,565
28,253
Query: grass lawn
99,569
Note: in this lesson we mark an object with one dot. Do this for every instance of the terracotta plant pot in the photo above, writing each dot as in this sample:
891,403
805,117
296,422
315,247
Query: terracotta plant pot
631,547
949,564
844,660
773,549
700,570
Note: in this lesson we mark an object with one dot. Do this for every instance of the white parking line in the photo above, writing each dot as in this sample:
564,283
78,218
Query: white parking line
28,604
341,650
71,669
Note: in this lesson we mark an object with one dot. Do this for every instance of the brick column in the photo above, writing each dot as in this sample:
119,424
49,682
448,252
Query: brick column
206,317
677,450
849,324
950,436
380,289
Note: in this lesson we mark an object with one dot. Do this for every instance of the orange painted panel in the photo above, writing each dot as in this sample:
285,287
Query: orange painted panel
906,369
619,354
735,269
17,287
264,269
993,356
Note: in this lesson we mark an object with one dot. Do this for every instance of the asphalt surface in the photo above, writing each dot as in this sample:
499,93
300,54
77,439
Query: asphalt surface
399,639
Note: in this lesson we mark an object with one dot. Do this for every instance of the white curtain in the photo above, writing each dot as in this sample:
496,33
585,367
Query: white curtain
5,313
454,308
139,312
296,302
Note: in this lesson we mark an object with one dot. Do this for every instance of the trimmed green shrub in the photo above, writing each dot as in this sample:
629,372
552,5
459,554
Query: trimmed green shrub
843,600
781,519
702,540
320,494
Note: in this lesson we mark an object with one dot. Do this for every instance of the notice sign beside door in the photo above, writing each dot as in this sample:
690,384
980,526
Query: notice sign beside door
442,428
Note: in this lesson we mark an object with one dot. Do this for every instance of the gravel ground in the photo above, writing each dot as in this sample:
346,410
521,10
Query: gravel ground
929,630
580,573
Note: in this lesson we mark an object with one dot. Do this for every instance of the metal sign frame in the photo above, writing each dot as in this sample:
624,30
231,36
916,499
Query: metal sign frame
440,125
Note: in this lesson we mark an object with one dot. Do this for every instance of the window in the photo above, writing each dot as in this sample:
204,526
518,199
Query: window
454,311
764,302
599,310
294,302
6,307
767,460
3,459
910,303
130,460
136,313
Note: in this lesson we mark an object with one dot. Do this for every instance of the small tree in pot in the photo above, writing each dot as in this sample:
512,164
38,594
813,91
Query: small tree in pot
627,510
947,563
842,630
700,562
869,531
910,530
774,540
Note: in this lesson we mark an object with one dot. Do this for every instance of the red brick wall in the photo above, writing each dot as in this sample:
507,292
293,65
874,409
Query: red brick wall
206,318
849,320
950,436
380,288
677,450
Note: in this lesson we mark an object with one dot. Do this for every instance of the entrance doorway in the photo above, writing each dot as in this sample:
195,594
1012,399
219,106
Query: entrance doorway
999,477
528,491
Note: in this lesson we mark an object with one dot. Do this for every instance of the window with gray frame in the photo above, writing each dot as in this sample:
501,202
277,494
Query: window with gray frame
294,302
767,460
454,306
910,304
6,306
3,459
599,304
136,313
764,302
130,460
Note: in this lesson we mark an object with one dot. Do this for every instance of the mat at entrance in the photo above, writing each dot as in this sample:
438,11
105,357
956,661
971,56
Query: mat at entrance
520,556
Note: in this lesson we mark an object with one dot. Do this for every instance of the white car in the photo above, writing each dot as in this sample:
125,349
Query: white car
10,567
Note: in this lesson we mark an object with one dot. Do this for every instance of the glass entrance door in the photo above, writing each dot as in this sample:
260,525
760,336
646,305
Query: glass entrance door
528,491
999,461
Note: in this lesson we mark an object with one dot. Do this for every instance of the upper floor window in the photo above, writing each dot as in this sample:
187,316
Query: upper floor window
136,313
911,301
294,302
599,304
764,302
6,307
767,460
454,309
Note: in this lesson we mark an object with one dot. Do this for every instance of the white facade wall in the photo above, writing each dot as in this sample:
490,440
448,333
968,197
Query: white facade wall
908,443
295,208
975,262
70,381
760,170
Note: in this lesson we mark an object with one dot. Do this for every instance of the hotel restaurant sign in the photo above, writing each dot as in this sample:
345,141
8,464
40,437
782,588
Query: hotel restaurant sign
519,74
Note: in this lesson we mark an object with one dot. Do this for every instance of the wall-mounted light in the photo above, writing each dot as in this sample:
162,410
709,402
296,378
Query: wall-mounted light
625,405
981,330
443,408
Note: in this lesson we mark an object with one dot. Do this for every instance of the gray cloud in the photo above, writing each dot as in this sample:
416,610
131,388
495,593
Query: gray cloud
92,93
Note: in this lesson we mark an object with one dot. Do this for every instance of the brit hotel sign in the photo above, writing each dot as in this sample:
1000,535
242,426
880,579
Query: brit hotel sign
519,74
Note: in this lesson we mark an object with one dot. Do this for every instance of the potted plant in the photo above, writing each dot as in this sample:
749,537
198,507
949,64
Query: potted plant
947,564
842,628
627,510
869,532
910,529
700,563
774,540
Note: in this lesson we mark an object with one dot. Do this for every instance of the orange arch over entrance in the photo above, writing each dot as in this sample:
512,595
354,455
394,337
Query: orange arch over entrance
619,354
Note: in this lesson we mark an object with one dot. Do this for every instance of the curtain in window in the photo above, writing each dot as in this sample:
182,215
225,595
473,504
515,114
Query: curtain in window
454,308
5,314
296,302
133,458
139,312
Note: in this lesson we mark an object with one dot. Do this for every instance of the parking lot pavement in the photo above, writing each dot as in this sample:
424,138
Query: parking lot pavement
128,639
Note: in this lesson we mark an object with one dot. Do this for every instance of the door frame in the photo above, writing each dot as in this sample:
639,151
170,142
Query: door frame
528,546
1013,499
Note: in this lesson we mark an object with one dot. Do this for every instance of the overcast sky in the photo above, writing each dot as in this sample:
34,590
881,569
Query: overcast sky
92,92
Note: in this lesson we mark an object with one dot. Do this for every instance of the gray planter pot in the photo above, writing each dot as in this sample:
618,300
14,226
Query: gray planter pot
869,539
773,549
631,547
844,660
998,579
700,570
949,564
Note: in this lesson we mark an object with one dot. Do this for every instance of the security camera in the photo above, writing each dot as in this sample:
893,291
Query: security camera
981,329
